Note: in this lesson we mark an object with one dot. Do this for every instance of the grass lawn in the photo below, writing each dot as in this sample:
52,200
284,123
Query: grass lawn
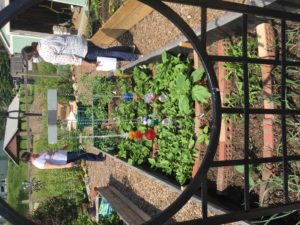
57,182
15,176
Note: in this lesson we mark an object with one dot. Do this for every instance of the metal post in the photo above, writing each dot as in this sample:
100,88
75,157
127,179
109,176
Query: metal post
38,75
12,215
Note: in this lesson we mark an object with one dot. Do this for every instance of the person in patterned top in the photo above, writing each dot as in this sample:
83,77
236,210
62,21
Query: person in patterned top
74,50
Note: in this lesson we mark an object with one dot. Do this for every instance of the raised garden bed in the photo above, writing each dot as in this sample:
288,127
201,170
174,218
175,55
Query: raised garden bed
174,143
261,127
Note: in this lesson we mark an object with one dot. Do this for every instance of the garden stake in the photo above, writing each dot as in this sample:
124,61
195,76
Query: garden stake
125,135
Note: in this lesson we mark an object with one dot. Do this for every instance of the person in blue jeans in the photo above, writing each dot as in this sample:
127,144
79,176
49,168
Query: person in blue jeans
59,159
121,53
74,50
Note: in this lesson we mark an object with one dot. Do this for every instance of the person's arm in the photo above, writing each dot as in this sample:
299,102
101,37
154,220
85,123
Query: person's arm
51,56
48,165
72,60
87,64
62,59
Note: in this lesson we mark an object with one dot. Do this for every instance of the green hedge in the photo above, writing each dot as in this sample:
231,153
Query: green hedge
23,126
23,144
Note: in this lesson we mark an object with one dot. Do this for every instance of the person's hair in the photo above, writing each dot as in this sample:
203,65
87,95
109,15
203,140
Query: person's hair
25,157
29,51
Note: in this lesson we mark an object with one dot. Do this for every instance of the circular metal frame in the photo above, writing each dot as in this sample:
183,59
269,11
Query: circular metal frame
18,6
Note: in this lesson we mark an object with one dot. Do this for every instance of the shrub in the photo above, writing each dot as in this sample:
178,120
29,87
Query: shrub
45,67
23,126
23,144
63,70
58,210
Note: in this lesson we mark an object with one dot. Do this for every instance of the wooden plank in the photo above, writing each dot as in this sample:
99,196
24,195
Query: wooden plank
121,205
123,20
185,44
120,208
138,211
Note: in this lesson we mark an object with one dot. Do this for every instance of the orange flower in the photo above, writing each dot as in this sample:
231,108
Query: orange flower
131,134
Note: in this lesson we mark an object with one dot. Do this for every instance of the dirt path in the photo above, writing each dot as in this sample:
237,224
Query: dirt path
35,123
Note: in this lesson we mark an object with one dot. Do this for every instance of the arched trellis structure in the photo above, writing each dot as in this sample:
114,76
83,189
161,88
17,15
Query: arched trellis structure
199,45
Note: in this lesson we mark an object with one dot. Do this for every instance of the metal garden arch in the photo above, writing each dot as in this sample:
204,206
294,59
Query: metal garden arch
199,45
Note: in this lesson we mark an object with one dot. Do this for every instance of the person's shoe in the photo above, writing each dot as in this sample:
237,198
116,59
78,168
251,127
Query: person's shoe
81,148
133,48
101,157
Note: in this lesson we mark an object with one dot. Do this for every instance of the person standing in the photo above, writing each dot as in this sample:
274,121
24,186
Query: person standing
74,50
59,159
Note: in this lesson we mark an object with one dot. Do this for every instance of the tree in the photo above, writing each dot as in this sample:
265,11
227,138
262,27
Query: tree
5,80
6,86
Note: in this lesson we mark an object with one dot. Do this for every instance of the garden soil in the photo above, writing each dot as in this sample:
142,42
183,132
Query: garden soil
152,33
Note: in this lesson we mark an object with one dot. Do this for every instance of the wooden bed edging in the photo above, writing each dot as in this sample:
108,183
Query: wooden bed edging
128,15
126,209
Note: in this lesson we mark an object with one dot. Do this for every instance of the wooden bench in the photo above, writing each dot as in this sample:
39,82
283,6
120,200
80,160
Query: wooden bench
127,210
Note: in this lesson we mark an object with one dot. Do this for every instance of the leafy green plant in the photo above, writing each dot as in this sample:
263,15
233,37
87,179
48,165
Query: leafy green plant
292,130
203,135
177,79
200,93
85,219
47,68
235,72
252,170
276,216
276,183
112,219
292,86
114,5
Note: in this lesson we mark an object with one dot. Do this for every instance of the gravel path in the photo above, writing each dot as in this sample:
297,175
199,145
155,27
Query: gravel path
147,193
155,31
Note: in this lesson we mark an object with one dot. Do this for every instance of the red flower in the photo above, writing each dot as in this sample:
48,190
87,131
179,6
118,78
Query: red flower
150,134
138,135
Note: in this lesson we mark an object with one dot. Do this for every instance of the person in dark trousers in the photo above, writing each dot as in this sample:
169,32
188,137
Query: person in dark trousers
59,159
74,50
